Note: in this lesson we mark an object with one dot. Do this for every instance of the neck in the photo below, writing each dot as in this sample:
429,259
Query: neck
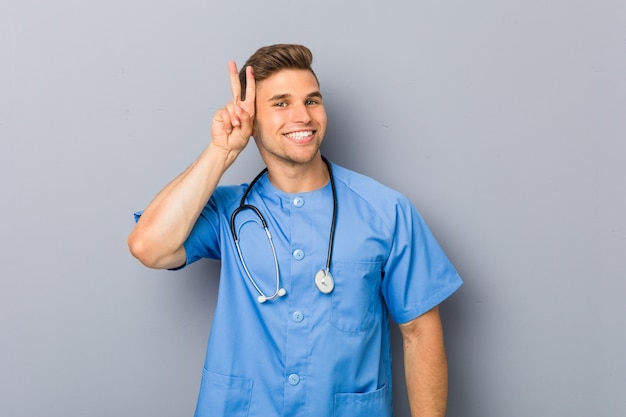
299,178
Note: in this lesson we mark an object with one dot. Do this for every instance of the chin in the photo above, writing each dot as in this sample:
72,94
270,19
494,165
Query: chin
298,158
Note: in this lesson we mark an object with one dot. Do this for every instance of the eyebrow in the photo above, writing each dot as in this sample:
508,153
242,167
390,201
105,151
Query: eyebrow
315,94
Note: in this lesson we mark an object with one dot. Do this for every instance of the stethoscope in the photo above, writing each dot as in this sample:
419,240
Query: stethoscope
323,279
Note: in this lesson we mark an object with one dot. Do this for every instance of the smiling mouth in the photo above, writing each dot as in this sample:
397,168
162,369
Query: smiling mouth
300,135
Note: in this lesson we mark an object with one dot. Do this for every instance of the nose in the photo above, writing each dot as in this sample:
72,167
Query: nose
300,113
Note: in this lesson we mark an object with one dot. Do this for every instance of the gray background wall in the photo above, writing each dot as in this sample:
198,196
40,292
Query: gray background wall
503,121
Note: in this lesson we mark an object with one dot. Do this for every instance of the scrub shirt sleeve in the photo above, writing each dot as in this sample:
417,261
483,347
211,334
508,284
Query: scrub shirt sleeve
417,275
203,240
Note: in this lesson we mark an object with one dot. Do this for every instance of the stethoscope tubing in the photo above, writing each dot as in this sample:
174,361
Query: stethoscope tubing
243,206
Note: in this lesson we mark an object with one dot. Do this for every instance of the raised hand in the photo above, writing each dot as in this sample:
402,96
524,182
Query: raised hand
159,236
233,124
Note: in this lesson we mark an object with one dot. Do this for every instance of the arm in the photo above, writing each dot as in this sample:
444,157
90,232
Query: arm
158,237
425,365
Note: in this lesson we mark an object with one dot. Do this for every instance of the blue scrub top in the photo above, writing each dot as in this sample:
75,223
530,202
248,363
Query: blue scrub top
308,353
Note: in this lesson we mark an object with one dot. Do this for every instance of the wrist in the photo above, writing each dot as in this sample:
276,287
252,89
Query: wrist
218,156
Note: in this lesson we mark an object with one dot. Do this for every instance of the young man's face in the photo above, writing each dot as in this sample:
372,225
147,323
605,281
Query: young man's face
290,119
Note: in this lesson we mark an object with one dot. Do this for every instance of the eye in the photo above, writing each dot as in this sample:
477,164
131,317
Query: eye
280,104
311,102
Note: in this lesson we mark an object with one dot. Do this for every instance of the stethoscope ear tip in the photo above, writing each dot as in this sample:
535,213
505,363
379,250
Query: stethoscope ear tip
263,298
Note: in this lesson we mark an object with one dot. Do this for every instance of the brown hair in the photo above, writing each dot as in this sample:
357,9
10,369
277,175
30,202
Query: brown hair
271,59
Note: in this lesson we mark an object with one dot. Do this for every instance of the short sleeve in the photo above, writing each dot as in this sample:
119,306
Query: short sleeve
417,274
203,240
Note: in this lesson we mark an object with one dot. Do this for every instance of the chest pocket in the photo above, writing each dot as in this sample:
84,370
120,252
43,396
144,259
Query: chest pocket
356,301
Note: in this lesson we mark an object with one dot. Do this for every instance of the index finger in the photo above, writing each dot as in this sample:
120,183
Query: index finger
250,85
235,84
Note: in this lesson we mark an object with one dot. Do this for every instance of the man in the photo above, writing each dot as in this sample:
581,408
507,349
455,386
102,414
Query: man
301,326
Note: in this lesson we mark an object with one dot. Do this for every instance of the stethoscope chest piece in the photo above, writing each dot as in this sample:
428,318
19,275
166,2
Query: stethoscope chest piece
324,281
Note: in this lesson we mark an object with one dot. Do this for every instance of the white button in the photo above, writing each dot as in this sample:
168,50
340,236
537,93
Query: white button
297,316
298,254
298,201
293,379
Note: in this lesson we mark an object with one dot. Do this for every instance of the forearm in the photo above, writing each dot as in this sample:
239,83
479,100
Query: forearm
426,370
159,234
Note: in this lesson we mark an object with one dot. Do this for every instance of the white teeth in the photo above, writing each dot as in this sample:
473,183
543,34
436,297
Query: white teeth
299,135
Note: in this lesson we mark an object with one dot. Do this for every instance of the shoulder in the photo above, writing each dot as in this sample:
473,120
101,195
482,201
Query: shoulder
376,194
374,200
225,196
